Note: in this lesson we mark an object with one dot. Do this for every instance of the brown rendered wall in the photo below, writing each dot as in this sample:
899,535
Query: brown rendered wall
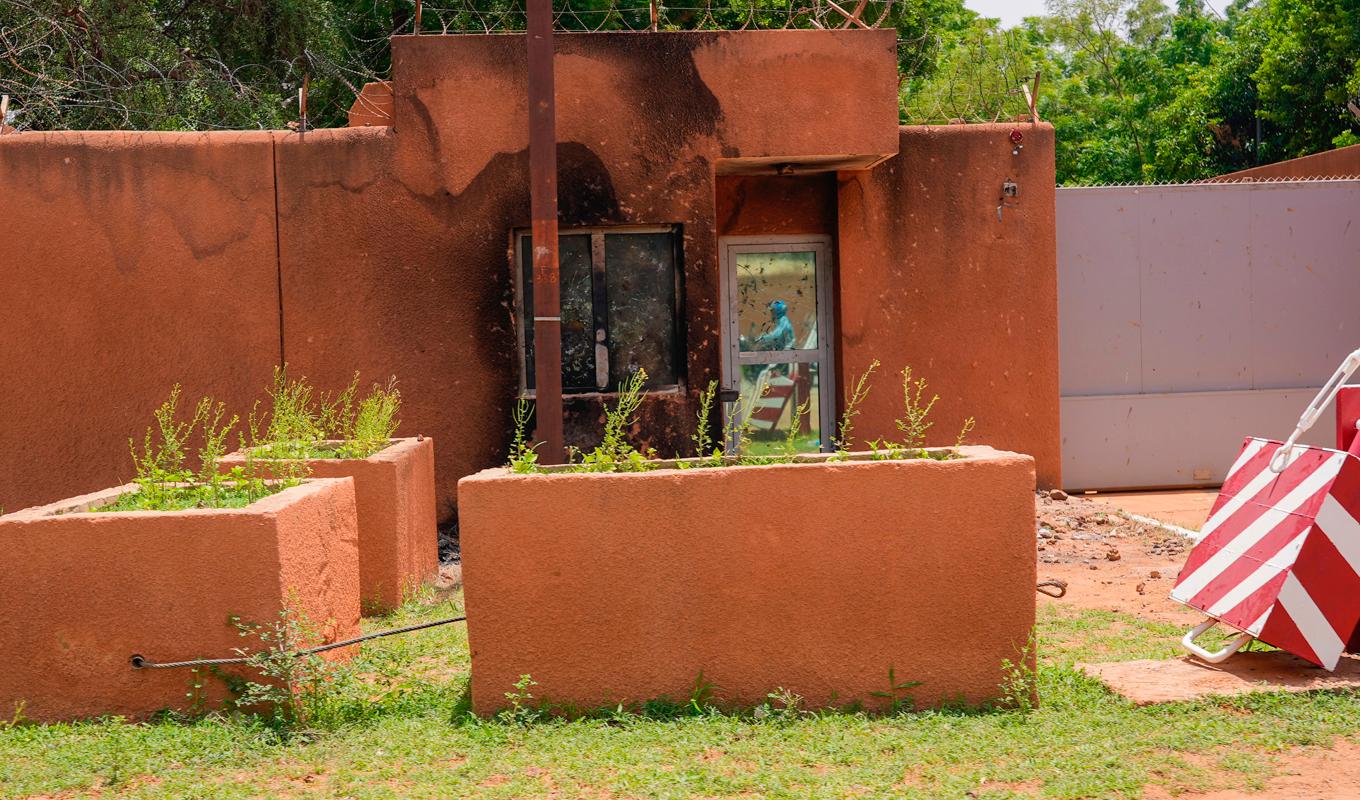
923,567
396,240
1343,162
131,261
930,277
146,259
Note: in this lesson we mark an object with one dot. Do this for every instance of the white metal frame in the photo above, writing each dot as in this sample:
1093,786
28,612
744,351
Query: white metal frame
824,354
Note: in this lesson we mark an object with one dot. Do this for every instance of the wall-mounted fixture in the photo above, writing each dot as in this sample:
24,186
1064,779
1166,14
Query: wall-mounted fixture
1009,190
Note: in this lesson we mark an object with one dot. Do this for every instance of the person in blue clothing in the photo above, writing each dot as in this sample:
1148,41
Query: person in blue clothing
780,337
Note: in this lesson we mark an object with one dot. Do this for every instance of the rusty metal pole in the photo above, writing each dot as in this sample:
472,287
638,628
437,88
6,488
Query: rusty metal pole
543,212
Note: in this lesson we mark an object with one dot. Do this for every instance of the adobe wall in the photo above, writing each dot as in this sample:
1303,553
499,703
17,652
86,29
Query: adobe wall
132,261
930,277
1343,162
143,259
396,240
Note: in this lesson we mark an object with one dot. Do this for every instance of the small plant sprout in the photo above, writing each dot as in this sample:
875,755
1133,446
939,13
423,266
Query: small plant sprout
703,436
614,453
303,425
523,456
898,693
294,684
859,390
522,710
963,433
166,481
914,421
795,427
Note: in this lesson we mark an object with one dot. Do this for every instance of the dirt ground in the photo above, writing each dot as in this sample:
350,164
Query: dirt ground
1110,562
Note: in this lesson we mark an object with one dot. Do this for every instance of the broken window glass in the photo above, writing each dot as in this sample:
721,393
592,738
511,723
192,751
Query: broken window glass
619,308
578,324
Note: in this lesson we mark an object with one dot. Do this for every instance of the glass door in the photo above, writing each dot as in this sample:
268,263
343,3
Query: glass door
777,329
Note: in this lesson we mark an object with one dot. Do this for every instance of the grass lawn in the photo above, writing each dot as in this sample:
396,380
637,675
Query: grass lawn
404,731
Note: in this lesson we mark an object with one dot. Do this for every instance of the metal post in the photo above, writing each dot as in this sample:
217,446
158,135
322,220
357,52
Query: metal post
543,213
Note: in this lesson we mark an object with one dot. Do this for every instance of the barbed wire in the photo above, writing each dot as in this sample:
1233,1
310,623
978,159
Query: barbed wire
1209,182
60,76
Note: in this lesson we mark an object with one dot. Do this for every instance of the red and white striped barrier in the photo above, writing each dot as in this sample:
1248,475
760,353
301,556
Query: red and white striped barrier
1279,557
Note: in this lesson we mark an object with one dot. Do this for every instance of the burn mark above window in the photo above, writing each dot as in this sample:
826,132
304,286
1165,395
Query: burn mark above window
620,299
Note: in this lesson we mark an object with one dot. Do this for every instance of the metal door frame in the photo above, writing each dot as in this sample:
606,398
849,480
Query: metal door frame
824,355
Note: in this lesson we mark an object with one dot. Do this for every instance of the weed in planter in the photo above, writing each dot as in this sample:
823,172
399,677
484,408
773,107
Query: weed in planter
294,423
374,424
795,426
914,421
614,453
164,478
963,433
303,425
703,436
523,456
859,390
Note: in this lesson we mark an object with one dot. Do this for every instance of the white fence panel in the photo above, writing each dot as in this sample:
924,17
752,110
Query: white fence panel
1193,315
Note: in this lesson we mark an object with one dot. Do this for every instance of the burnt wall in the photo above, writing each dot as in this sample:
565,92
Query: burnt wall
131,262
933,277
396,242
145,259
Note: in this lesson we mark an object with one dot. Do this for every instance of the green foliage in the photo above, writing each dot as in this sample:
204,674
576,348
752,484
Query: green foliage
523,710
374,424
292,685
523,456
614,453
404,701
1020,682
703,435
166,479
294,420
914,422
859,390
898,693
188,64
304,425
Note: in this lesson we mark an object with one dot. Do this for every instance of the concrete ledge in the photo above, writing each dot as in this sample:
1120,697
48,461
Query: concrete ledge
817,578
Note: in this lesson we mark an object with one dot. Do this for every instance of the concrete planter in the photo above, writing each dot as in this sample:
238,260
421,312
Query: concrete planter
813,577
84,591
398,539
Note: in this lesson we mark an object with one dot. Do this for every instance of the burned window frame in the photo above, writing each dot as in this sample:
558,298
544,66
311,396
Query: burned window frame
600,295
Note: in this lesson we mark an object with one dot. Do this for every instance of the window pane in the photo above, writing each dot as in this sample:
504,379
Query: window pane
640,280
786,387
777,301
578,327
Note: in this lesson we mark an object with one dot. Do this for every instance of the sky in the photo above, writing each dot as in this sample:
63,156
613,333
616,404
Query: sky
1011,12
